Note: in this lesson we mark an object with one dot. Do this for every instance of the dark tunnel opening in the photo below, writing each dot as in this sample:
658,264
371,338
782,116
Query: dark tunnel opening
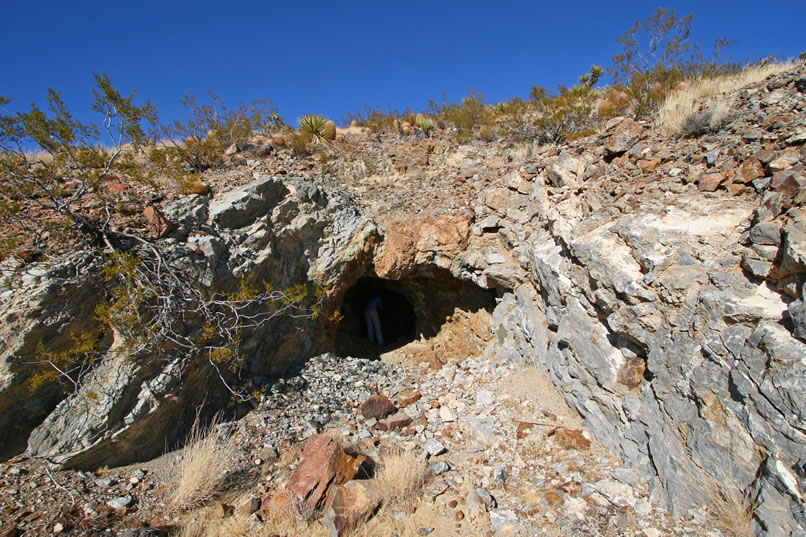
410,309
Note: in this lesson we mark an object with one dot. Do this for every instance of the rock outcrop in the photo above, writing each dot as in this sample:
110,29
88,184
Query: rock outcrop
281,231
670,319
658,282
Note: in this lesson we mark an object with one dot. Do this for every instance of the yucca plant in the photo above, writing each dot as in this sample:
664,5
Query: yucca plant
317,129
424,124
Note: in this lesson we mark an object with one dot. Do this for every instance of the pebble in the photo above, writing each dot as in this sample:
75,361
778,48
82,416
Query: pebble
503,519
120,502
439,468
434,447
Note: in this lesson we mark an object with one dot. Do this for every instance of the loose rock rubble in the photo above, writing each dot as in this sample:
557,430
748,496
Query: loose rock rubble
506,455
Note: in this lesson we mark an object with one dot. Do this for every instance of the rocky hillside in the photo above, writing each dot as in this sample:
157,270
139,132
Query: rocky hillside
658,282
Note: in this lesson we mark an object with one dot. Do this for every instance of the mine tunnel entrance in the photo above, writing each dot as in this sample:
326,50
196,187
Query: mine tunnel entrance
410,309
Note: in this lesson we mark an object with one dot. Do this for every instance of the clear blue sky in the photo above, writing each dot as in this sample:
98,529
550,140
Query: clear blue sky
334,57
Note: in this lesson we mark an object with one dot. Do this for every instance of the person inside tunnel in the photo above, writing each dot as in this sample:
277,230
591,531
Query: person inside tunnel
373,320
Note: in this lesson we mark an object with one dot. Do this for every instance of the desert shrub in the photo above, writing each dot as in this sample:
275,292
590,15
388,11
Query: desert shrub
202,469
199,142
467,116
377,120
554,117
658,53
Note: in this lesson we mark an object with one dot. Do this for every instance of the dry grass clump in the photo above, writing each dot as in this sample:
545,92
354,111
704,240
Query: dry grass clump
205,523
205,460
400,476
731,511
681,114
292,524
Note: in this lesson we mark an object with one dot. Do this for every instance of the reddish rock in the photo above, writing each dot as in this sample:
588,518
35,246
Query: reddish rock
750,169
407,397
249,506
397,421
322,467
377,406
223,510
624,136
709,182
788,182
278,503
524,429
157,225
353,504
570,439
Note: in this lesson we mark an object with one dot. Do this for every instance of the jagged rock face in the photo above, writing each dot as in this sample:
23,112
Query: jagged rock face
672,321
45,307
283,231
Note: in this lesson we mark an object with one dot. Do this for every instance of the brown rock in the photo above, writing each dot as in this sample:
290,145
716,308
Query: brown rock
764,155
407,397
448,234
322,467
249,506
232,149
278,140
524,429
788,182
223,510
624,136
709,182
377,406
353,504
649,165
736,188
278,503
750,169
571,439
459,515
397,421
157,225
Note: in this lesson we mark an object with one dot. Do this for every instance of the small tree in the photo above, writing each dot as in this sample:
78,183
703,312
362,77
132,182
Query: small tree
658,52
59,184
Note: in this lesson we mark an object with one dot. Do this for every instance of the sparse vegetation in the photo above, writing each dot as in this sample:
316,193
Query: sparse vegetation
698,106
202,469
316,129
400,476
424,124
658,53
198,143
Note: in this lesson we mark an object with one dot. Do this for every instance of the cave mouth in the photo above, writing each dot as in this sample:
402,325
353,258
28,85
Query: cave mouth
412,308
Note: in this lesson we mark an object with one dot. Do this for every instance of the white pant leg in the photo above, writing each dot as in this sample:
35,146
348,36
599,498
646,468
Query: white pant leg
375,323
